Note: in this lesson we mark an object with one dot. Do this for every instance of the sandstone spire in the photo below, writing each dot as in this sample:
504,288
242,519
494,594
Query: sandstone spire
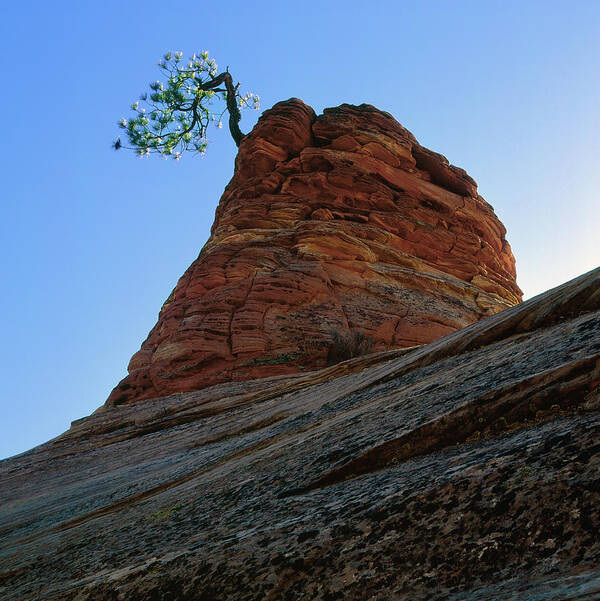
331,224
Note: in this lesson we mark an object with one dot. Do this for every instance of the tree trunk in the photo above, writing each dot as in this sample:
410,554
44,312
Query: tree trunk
235,115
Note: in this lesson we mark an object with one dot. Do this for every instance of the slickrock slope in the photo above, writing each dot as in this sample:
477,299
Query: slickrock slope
331,225
468,468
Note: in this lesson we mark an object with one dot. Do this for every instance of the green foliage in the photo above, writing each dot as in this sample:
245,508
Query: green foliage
164,514
175,114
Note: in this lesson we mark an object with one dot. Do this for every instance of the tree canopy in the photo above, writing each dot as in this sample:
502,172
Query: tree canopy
175,115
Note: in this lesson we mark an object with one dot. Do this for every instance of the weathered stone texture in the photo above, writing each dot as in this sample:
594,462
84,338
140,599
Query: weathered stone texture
335,223
465,469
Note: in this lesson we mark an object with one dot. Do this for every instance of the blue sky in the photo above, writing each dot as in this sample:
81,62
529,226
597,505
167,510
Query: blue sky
93,241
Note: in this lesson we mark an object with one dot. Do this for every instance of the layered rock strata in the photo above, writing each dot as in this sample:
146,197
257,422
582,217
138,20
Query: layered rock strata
467,468
332,225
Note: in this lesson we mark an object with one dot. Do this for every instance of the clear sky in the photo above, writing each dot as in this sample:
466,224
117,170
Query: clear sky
93,241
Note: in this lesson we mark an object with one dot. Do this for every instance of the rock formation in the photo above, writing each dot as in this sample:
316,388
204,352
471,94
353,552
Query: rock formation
464,468
332,225
467,468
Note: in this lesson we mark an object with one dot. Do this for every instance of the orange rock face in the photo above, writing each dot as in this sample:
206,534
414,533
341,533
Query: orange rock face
331,225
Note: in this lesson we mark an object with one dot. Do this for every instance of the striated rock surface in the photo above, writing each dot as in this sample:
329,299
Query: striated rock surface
332,225
466,469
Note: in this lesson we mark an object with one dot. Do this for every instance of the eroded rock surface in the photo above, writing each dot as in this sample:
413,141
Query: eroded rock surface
331,224
468,468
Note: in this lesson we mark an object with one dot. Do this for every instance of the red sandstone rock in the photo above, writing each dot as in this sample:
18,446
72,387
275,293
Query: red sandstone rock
331,224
